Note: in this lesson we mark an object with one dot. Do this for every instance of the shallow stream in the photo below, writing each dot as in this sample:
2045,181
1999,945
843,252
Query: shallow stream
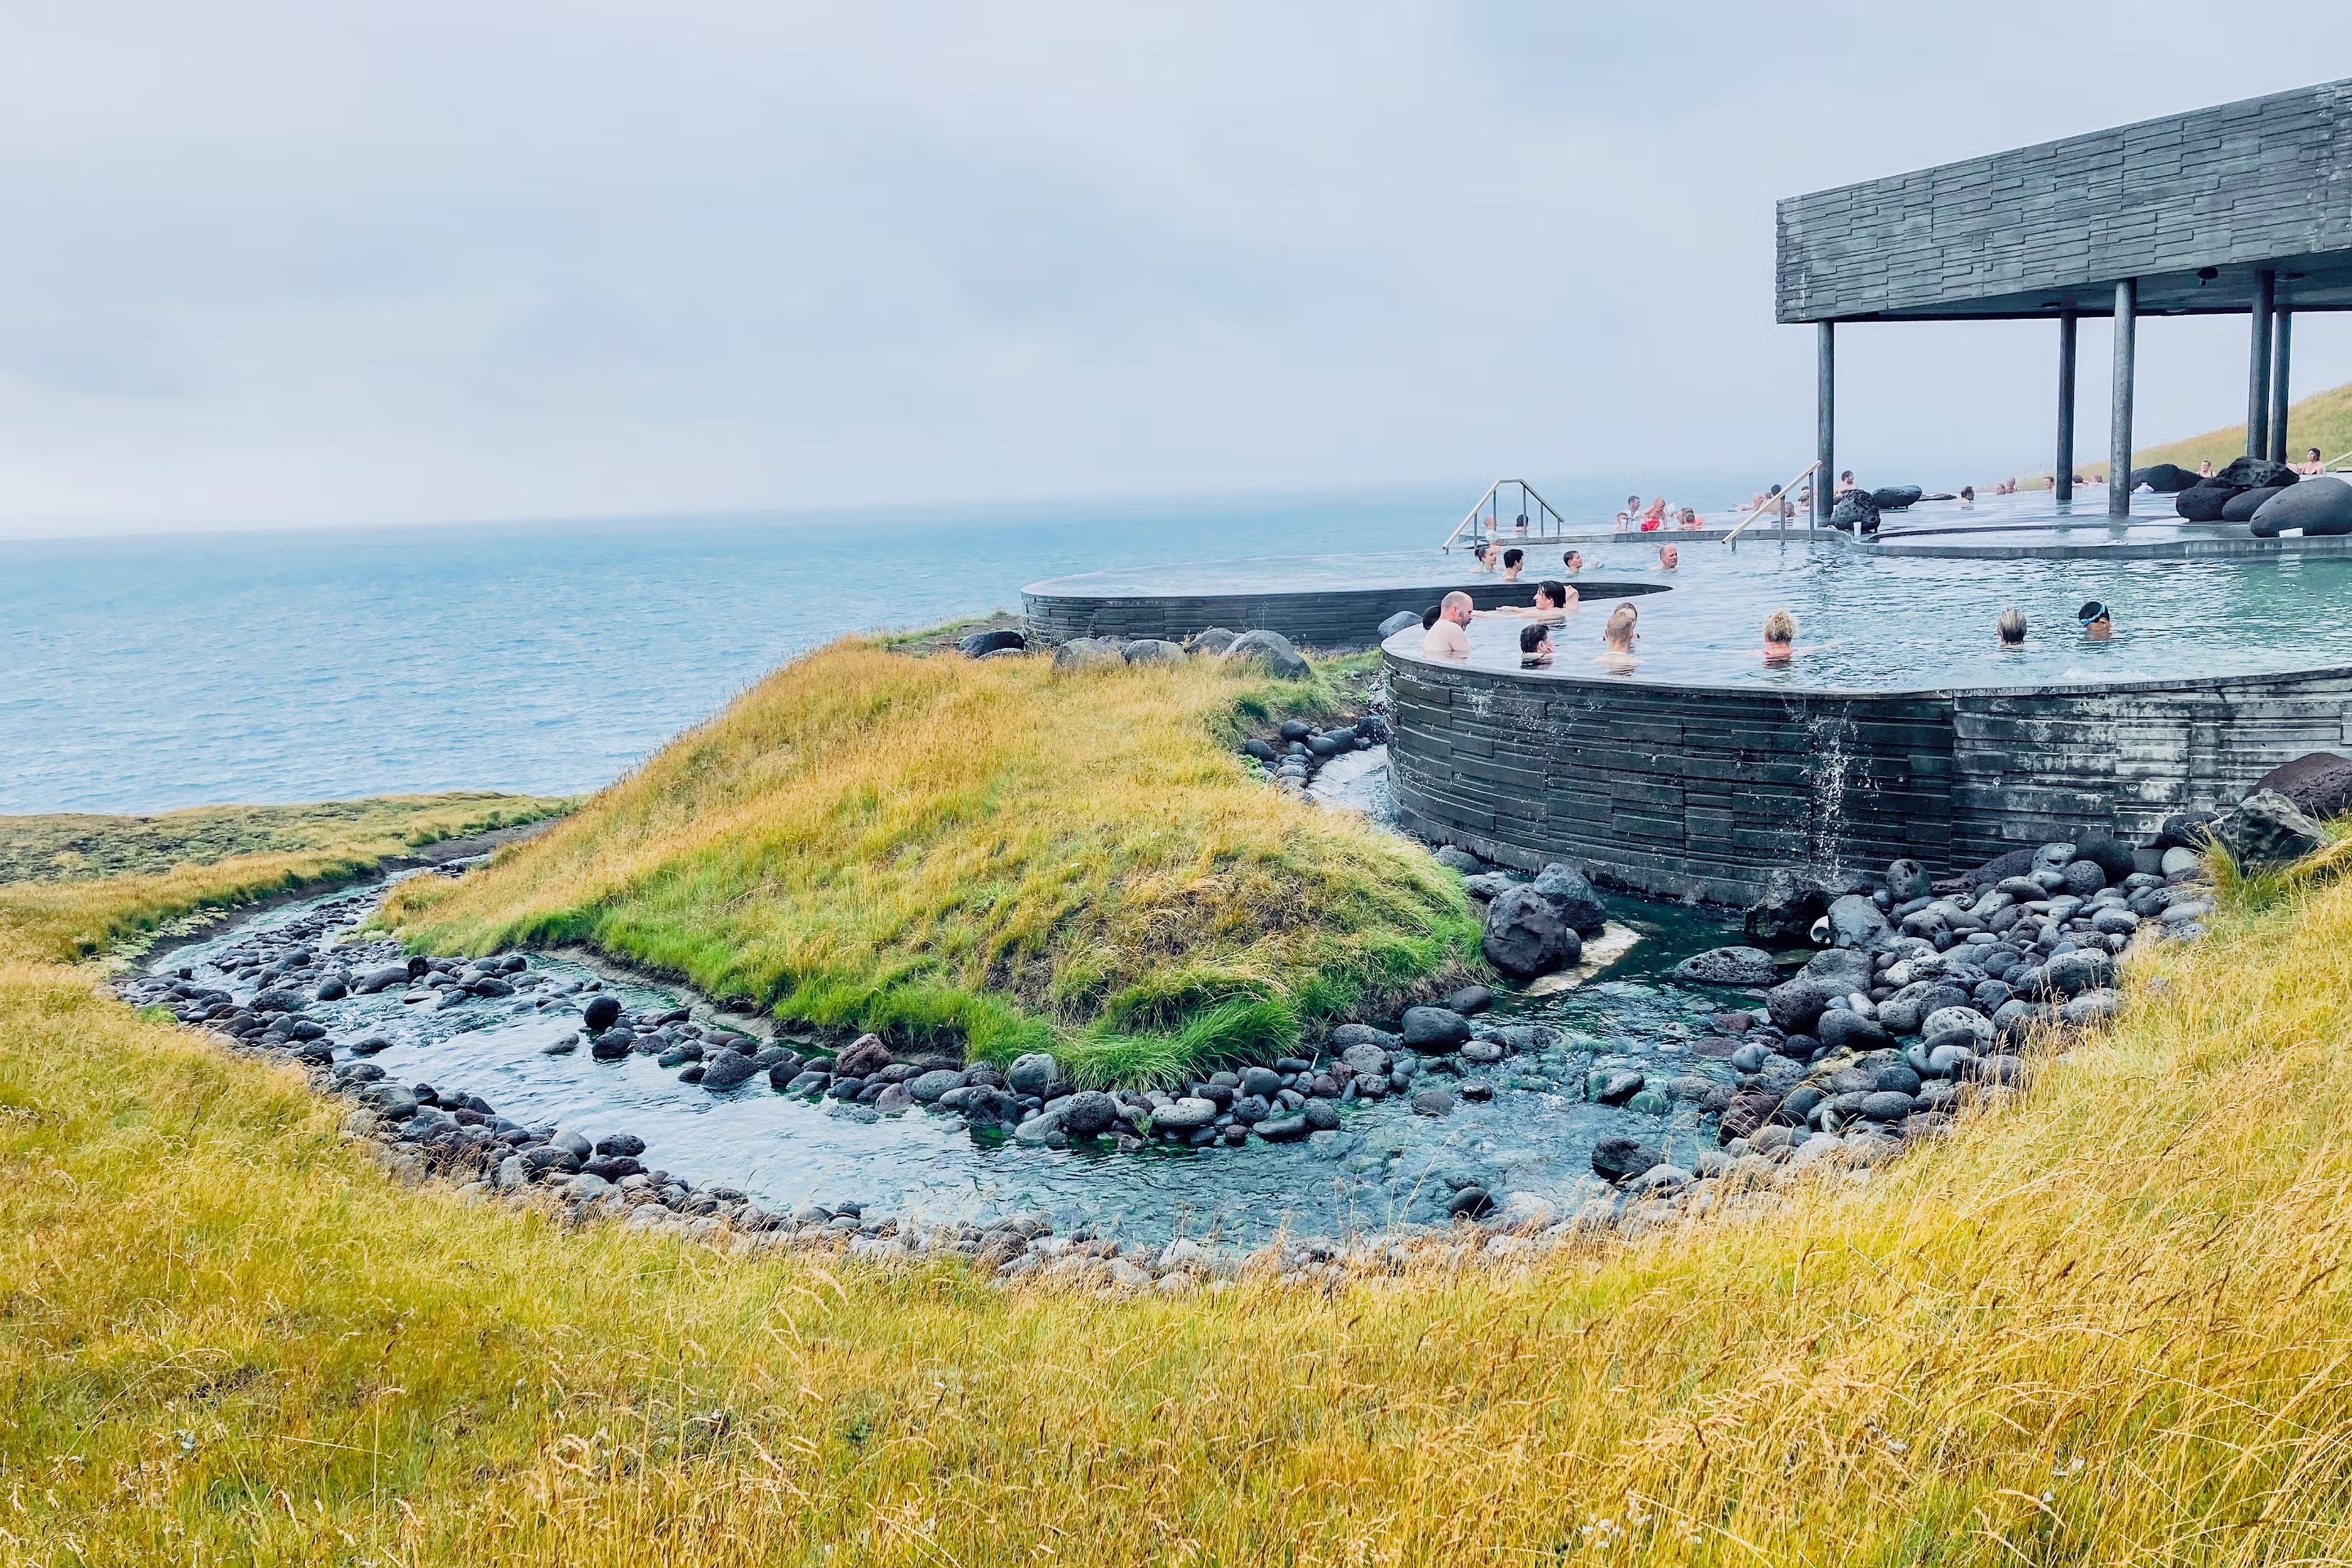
1530,1146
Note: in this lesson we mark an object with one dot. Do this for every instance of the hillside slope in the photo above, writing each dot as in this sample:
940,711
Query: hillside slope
994,853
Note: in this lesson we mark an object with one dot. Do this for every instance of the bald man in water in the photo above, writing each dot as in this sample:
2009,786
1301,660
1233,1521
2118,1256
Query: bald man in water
1446,636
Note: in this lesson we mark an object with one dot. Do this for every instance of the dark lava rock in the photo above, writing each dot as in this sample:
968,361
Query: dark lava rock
2108,853
979,644
1088,1113
1856,512
1211,640
1570,892
334,988
1839,1027
1619,1087
1152,650
2320,505
1461,859
370,1046
866,1057
1855,921
1397,623
1906,880
2203,502
1747,1112
1431,1101
1253,747
621,1145
611,1044
384,979
1784,915
2071,973
2256,473
1795,1006
1434,1029
1287,1128
1269,651
2084,877
601,1013
2163,478
1526,935
2319,786
2266,830
808,1081
2241,507
1728,966
1885,1105
2186,830
1895,498
1321,1115
1469,1203
727,1069
1470,1000
1295,730
611,1167
1622,1159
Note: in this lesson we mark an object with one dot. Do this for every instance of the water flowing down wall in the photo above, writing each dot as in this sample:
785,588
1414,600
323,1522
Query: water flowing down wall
1701,792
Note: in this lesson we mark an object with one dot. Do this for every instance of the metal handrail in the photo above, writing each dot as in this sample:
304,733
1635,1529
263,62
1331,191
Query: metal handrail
1526,492
1772,503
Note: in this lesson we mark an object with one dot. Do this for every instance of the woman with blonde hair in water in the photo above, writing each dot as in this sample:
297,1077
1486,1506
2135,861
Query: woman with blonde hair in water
1779,638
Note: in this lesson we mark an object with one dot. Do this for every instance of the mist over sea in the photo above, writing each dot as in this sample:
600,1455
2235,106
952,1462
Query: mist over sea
146,674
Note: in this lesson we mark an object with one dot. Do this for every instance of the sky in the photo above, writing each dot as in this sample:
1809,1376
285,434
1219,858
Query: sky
291,264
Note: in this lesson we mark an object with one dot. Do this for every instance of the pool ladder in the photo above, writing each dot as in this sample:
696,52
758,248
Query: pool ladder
1534,517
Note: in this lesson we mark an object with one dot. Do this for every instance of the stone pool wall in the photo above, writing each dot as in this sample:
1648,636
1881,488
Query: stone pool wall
1700,792
1322,617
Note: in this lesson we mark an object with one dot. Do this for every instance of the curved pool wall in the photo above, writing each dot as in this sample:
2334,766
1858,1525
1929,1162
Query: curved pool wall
1700,792
1311,601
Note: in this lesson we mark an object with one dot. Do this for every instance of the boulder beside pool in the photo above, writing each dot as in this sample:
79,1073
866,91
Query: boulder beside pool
1271,651
2203,501
2321,506
2163,478
1398,623
2241,507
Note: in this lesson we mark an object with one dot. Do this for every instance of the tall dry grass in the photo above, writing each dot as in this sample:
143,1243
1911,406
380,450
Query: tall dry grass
998,853
70,885
2111,1326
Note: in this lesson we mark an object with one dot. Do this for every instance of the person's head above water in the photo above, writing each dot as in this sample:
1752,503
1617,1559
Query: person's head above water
2095,619
1456,607
1429,616
1668,558
1619,632
1513,559
1573,561
1535,639
1553,595
2012,628
1779,635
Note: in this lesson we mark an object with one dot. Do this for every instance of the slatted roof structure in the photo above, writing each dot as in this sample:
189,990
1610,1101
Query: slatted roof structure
2243,208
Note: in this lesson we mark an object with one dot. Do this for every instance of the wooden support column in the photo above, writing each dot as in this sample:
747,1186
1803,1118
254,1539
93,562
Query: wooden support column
2119,437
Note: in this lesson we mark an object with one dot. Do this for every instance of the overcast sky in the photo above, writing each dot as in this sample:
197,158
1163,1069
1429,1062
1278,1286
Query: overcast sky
271,265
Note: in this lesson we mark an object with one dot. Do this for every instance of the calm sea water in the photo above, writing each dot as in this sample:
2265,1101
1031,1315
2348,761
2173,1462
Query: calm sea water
139,675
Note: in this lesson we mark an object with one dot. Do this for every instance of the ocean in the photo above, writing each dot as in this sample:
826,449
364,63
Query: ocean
141,675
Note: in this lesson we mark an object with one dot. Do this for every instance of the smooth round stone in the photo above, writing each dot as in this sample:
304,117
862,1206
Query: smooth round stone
1186,1115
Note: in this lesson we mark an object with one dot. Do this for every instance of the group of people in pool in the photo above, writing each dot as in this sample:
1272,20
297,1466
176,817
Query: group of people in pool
1445,628
1508,562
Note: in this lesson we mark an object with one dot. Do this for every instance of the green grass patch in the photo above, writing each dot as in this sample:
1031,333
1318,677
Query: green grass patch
993,854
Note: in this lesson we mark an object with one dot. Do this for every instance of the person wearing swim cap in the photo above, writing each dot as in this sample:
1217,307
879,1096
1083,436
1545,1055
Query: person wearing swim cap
2096,624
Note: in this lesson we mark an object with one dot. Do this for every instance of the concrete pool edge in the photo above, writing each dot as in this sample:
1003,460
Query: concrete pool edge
1696,791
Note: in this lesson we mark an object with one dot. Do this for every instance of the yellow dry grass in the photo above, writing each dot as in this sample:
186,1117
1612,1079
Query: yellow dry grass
995,852
69,885
2110,1326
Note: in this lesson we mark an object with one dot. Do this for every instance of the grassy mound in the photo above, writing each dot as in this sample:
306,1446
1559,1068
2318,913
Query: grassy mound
2109,1326
69,884
992,852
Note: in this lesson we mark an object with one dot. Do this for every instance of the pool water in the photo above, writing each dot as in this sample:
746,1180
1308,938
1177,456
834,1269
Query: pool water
1530,1146
1876,622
